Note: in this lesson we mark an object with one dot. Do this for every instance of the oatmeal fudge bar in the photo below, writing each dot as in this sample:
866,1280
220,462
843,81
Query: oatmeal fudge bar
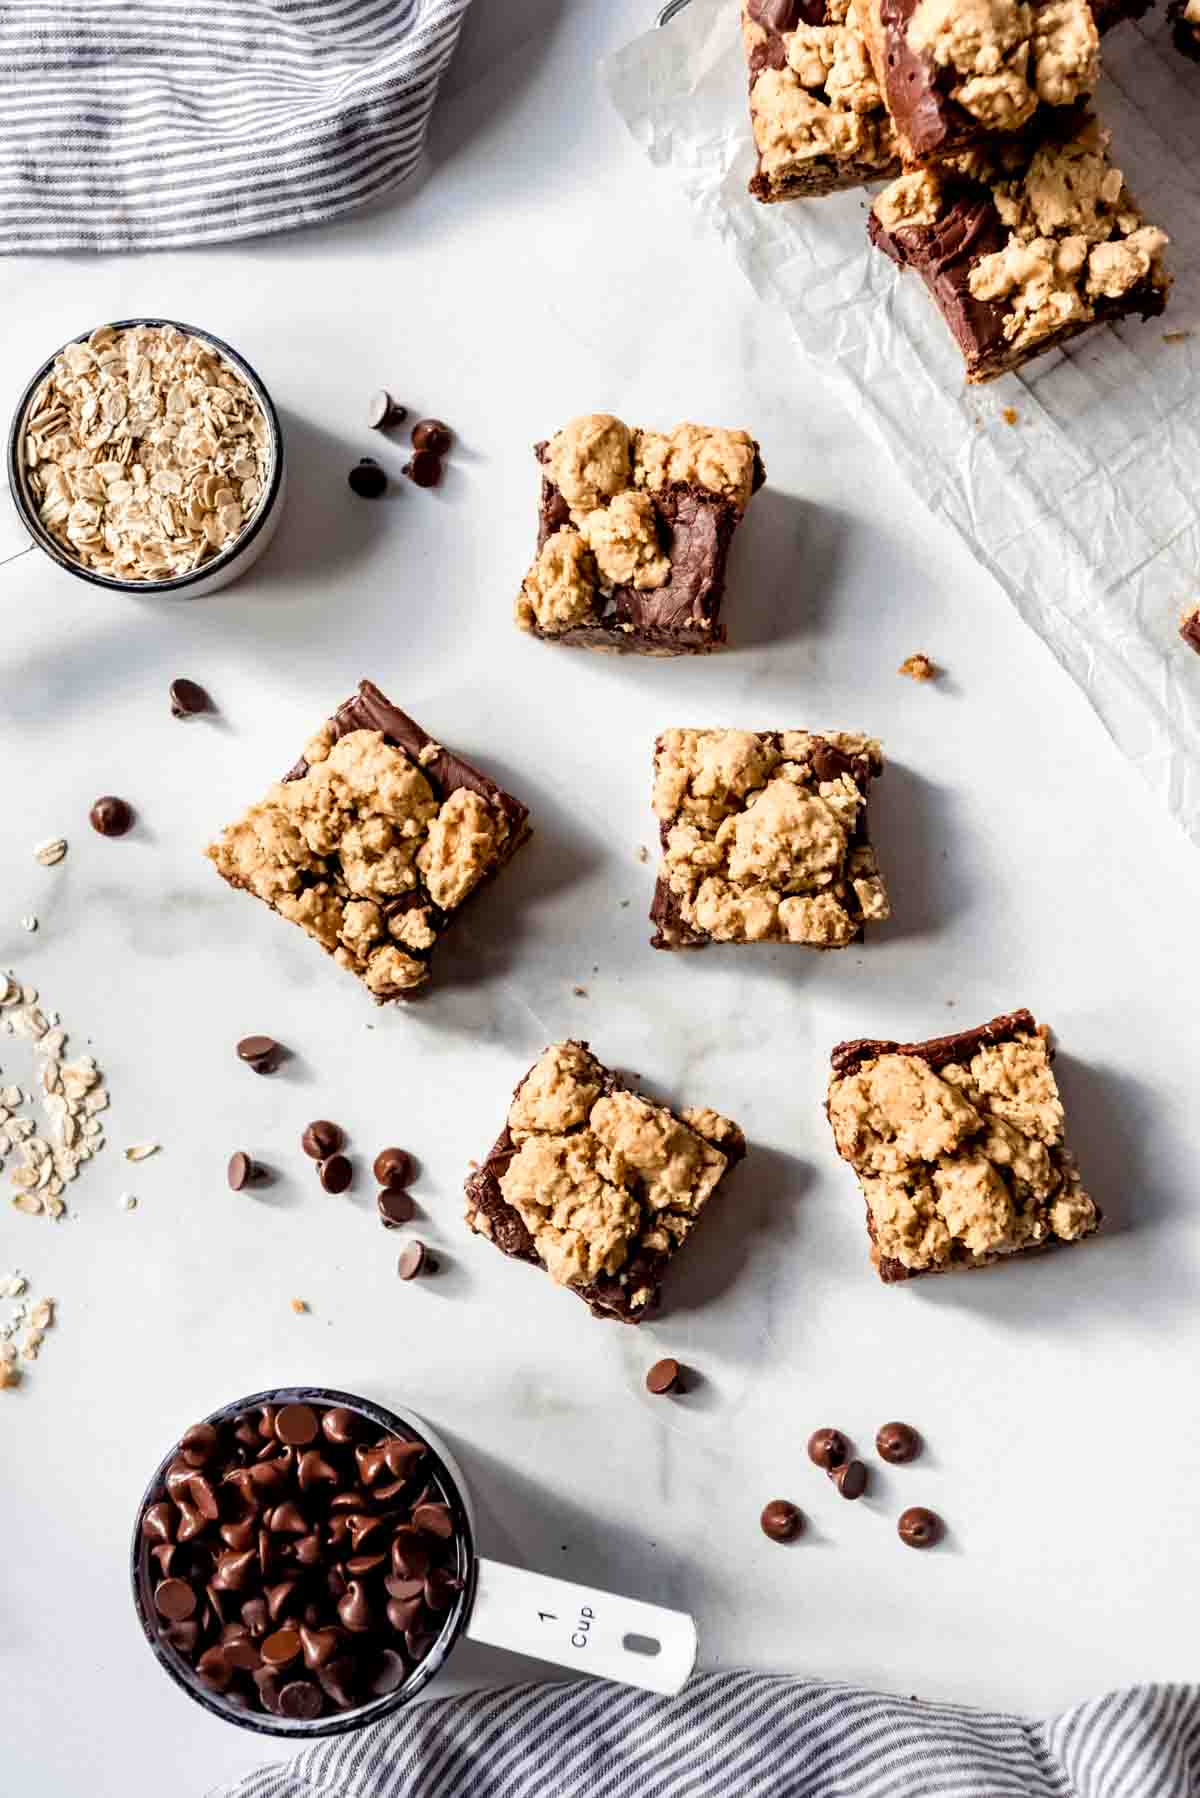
633,535
764,838
818,115
596,1184
958,1148
373,841
954,71
1046,241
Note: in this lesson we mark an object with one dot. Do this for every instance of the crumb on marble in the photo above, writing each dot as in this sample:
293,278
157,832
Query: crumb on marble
1010,415
919,667
300,1307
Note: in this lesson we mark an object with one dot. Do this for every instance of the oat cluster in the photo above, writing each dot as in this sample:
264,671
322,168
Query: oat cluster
145,452
824,101
73,1095
1005,56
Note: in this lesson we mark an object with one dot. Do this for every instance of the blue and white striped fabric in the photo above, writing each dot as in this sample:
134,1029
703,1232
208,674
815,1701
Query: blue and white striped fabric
750,1735
150,124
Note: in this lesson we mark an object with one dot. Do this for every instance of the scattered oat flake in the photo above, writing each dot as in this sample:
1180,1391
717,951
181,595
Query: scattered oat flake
919,667
1010,415
643,854
141,1151
51,851
29,922
299,1306
128,1201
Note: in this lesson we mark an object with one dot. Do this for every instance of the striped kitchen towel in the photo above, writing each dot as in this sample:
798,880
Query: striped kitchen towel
750,1735
155,124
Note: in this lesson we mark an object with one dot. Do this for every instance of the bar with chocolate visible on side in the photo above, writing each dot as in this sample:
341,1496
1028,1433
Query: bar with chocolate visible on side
634,531
958,1144
373,841
816,109
764,838
1040,241
597,1185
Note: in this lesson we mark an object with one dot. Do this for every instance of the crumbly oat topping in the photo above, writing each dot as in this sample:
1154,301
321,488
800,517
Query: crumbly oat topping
1009,55
598,1174
759,843
590,461
73,1095
913,199
146,453
560,589
623,537
700,455
825,102
962,1164
349,849
1076,236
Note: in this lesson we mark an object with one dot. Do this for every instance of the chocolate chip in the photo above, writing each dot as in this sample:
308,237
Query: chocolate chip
188,698
319,1645
354,1608
663,1377
174,1599
389,1674
368,480
281,1647
897,1443
242,1171
340,1425
296,1425
432,435
111,816
214,1669
781,1520
850,1479
199,1445
424,468
393,1168
262,1053
301,1700
395,1208
412,1260
335,1173
435,1520
322,1138
828,1448
384,412
158,1525
918,1527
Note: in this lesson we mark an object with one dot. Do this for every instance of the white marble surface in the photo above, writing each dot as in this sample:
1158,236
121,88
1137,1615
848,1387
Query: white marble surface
538,271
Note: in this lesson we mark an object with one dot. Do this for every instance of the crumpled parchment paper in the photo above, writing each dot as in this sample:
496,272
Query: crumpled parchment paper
1084,508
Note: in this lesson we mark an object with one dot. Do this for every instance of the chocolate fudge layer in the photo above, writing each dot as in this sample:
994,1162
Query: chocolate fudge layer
596,1184
373,841
958,1147
1185,26
954,71
764,838
1044,241
816,108
633,535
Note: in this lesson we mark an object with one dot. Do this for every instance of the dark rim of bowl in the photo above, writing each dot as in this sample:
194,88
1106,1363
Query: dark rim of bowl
41,536
339,1722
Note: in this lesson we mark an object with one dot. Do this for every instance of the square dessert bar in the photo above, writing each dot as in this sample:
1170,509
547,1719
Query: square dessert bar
633,535
1042,242
958,1148
596,1184
764,838
953,73
815,105
373,841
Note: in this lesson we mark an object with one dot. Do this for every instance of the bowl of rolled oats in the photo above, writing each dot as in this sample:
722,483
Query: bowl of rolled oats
146,456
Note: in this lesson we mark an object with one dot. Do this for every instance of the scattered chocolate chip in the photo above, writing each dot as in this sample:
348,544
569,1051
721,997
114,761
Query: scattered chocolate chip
322,1138
393,1167
412,1260
424,469
897,1443
111,816
828,1448
335,1173
432,435
243,1172
384,413
918,1527
850,1478
781,1520
663,1377
296,1425
188,698
262,1053
367,479
395,1208
174,1599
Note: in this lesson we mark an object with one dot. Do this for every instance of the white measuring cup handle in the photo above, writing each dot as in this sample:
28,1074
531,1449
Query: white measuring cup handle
579,1627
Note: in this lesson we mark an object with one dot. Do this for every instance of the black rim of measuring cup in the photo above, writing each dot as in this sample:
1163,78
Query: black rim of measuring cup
178,582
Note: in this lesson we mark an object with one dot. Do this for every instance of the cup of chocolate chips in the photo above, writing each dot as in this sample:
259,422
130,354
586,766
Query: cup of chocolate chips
304,1562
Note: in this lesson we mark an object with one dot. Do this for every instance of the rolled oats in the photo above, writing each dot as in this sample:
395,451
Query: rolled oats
71,1093
145,452
51,851
23,1326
